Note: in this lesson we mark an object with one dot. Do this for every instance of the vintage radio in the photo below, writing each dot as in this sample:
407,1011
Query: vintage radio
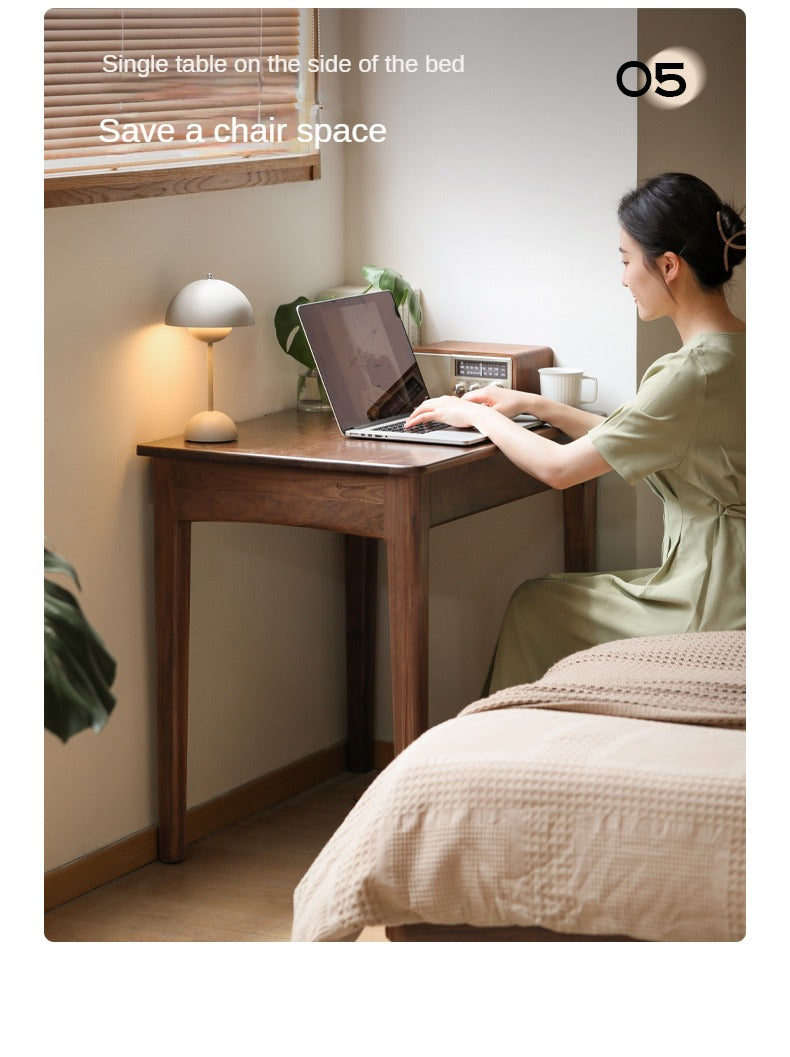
457,367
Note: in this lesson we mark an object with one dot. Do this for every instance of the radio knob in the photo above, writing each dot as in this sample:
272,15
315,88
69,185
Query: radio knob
459,389
475,385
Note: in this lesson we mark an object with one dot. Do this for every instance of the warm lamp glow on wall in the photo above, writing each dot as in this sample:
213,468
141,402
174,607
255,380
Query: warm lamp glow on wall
209,308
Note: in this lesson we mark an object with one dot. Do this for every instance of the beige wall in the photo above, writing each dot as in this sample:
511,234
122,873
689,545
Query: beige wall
495,193
266,672
708,138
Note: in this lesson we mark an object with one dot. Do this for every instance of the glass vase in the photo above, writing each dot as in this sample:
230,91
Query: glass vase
310,392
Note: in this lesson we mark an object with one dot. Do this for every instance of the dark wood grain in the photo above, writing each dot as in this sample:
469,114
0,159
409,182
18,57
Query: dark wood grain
294,468
406,533
313,440
361,567
580,506
172,559
426,933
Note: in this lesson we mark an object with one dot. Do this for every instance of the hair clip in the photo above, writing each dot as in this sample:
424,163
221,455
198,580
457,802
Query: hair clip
730,242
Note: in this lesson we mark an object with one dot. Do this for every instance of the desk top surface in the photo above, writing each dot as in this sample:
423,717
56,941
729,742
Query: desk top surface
312,440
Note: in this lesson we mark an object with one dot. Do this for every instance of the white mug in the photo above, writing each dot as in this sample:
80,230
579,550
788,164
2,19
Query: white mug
564,385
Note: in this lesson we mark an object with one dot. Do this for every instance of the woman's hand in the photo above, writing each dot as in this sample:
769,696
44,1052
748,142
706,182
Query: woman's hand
449,409
509,402
558,465
572,421
461,412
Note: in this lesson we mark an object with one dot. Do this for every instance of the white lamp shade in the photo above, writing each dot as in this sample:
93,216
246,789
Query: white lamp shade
209,308
209,303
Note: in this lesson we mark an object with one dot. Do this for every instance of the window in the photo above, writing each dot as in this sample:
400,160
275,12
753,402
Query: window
148,102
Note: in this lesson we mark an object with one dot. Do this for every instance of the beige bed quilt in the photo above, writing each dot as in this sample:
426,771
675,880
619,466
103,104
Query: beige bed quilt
605,799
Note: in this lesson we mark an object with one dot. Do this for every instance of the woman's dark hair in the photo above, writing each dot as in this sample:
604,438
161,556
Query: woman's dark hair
679,213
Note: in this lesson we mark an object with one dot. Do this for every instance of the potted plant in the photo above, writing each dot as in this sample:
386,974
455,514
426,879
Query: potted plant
78,670
292,340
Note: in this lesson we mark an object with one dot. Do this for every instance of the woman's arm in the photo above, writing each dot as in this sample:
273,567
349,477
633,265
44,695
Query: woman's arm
557,465
572,421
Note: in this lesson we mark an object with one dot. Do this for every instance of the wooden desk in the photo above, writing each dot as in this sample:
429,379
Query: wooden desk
295,468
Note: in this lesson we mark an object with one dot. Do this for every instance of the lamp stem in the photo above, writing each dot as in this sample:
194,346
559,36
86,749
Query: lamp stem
211,375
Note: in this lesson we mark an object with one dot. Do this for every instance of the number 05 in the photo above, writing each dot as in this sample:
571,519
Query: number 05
663,74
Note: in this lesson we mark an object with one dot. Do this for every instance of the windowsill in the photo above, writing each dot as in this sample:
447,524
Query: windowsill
88,189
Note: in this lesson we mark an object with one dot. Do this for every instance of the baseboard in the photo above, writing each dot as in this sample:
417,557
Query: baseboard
138,849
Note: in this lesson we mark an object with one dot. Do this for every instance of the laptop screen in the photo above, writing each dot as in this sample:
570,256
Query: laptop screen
366,363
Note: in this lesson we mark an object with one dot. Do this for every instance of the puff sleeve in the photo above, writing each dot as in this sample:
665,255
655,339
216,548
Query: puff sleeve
653,432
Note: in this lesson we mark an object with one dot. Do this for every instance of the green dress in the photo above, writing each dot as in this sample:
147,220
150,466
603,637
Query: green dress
685,433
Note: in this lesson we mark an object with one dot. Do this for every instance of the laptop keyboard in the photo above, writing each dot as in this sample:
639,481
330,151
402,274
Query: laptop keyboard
400,427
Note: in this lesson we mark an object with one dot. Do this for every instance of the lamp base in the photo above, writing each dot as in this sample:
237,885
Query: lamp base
211,427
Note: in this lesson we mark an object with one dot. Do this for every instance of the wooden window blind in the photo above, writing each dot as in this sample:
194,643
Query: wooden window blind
141,101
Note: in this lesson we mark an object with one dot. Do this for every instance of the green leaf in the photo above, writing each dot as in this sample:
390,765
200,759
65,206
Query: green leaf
388,280
290,335
415,309
400,288
78,670
53,563
372,274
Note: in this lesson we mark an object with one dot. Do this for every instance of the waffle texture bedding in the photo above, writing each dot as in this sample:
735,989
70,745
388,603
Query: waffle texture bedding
607,798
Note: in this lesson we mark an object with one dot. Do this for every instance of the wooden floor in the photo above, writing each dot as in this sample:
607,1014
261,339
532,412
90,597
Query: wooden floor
235,885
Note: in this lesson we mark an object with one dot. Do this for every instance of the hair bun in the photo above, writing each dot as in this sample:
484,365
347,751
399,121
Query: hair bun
677,212
732,222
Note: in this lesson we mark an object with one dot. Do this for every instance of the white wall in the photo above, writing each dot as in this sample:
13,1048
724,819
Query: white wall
496,188
495,193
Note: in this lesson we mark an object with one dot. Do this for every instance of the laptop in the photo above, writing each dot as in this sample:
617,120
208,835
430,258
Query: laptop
369,370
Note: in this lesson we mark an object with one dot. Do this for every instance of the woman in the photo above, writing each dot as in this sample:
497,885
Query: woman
684,432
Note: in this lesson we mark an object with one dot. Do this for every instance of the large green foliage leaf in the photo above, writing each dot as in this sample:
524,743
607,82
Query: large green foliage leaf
289,332
400,288
78,670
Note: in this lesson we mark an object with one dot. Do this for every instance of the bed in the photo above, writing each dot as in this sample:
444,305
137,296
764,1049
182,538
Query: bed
604,802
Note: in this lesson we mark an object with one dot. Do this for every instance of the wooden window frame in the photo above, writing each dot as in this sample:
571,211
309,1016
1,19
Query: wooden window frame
162,179
177,180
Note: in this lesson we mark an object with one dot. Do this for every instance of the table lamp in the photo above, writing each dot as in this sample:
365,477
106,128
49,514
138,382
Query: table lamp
209,308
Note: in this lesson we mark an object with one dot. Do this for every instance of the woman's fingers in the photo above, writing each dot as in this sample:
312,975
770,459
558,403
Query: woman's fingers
447,409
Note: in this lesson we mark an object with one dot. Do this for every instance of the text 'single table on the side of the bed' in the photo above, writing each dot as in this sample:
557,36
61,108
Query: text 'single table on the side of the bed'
293,468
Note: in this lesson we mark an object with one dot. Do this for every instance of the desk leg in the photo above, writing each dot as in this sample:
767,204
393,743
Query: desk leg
172,544
361,575
407,525
579,505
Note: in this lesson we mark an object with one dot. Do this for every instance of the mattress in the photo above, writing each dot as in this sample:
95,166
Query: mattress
606,799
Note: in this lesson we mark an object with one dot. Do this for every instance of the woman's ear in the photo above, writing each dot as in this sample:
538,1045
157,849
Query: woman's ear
669,266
